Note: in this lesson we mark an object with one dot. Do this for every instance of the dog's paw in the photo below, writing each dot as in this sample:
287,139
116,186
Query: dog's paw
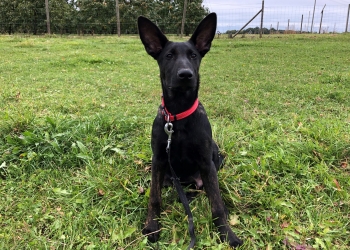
151,230
231,238
235,241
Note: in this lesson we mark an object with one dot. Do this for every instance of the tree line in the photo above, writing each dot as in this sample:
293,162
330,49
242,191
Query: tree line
97,16
255,30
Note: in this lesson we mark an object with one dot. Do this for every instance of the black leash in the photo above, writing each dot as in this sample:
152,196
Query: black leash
176,181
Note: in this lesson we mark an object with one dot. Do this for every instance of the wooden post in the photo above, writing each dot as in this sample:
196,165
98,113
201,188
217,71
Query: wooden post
262,19
347,20
313,15
319,31
183,18
288,27
278,24
47,16
246,24
301,25
118,18
308,21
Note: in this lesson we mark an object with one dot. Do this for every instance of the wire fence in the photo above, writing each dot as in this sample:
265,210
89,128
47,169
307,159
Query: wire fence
277,19
287,18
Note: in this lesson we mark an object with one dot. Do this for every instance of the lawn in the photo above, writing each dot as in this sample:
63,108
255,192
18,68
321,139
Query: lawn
75,123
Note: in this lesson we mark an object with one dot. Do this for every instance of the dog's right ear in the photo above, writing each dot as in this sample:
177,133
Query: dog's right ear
151,36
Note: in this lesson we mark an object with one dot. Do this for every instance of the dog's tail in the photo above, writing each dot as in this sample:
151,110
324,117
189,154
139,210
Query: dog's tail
221,160
218,157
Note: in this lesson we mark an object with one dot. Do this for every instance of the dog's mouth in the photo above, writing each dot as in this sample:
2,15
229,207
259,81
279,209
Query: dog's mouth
181,88
181,85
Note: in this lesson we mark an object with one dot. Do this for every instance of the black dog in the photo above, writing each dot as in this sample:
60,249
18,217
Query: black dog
195,156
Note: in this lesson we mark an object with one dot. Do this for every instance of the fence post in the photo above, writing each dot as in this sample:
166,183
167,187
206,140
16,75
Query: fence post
246,24
301,25
319,32
262,19
278,24
47,16
313,15
347,20
183,18
118,19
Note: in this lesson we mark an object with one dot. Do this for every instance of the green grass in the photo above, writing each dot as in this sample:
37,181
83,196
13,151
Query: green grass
75,123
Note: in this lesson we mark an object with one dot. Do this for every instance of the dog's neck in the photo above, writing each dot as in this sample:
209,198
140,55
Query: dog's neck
179,101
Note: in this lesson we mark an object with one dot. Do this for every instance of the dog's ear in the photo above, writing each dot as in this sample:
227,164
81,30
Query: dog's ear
151,36
204,34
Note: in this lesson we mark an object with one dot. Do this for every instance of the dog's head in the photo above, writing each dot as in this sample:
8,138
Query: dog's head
178,61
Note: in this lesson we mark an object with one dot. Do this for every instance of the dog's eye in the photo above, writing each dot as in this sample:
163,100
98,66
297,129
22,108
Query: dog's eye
193,55
169,56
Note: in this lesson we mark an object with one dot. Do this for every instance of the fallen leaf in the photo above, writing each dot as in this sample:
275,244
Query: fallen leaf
317,154
337,184
141,190
269,247
284,224
138,162
286,242
101,192
319,188
58,209
297,231
344,164
234,220
258,161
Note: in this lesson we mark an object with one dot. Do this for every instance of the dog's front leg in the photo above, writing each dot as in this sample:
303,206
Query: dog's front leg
211,185
155,200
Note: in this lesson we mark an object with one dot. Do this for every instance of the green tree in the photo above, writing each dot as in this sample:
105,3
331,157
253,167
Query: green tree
167,14
31,17
194,14
62,13
8,16
130,10
97,16
22,16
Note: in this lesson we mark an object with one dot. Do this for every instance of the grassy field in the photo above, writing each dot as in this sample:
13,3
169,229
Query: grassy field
75,121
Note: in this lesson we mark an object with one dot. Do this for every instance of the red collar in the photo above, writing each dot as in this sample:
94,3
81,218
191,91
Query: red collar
181,115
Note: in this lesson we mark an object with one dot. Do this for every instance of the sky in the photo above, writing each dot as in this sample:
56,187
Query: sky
233,14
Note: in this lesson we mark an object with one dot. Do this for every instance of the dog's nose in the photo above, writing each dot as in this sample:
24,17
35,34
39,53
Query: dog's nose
185,74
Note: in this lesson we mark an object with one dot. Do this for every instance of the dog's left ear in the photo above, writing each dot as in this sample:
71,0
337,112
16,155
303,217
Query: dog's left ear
204,34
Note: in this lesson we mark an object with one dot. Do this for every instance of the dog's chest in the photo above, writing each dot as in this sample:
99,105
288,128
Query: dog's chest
186,147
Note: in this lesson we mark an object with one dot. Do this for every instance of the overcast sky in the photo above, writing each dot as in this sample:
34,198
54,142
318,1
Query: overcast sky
233,14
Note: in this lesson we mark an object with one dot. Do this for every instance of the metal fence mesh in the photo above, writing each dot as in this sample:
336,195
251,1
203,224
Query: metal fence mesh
231,17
